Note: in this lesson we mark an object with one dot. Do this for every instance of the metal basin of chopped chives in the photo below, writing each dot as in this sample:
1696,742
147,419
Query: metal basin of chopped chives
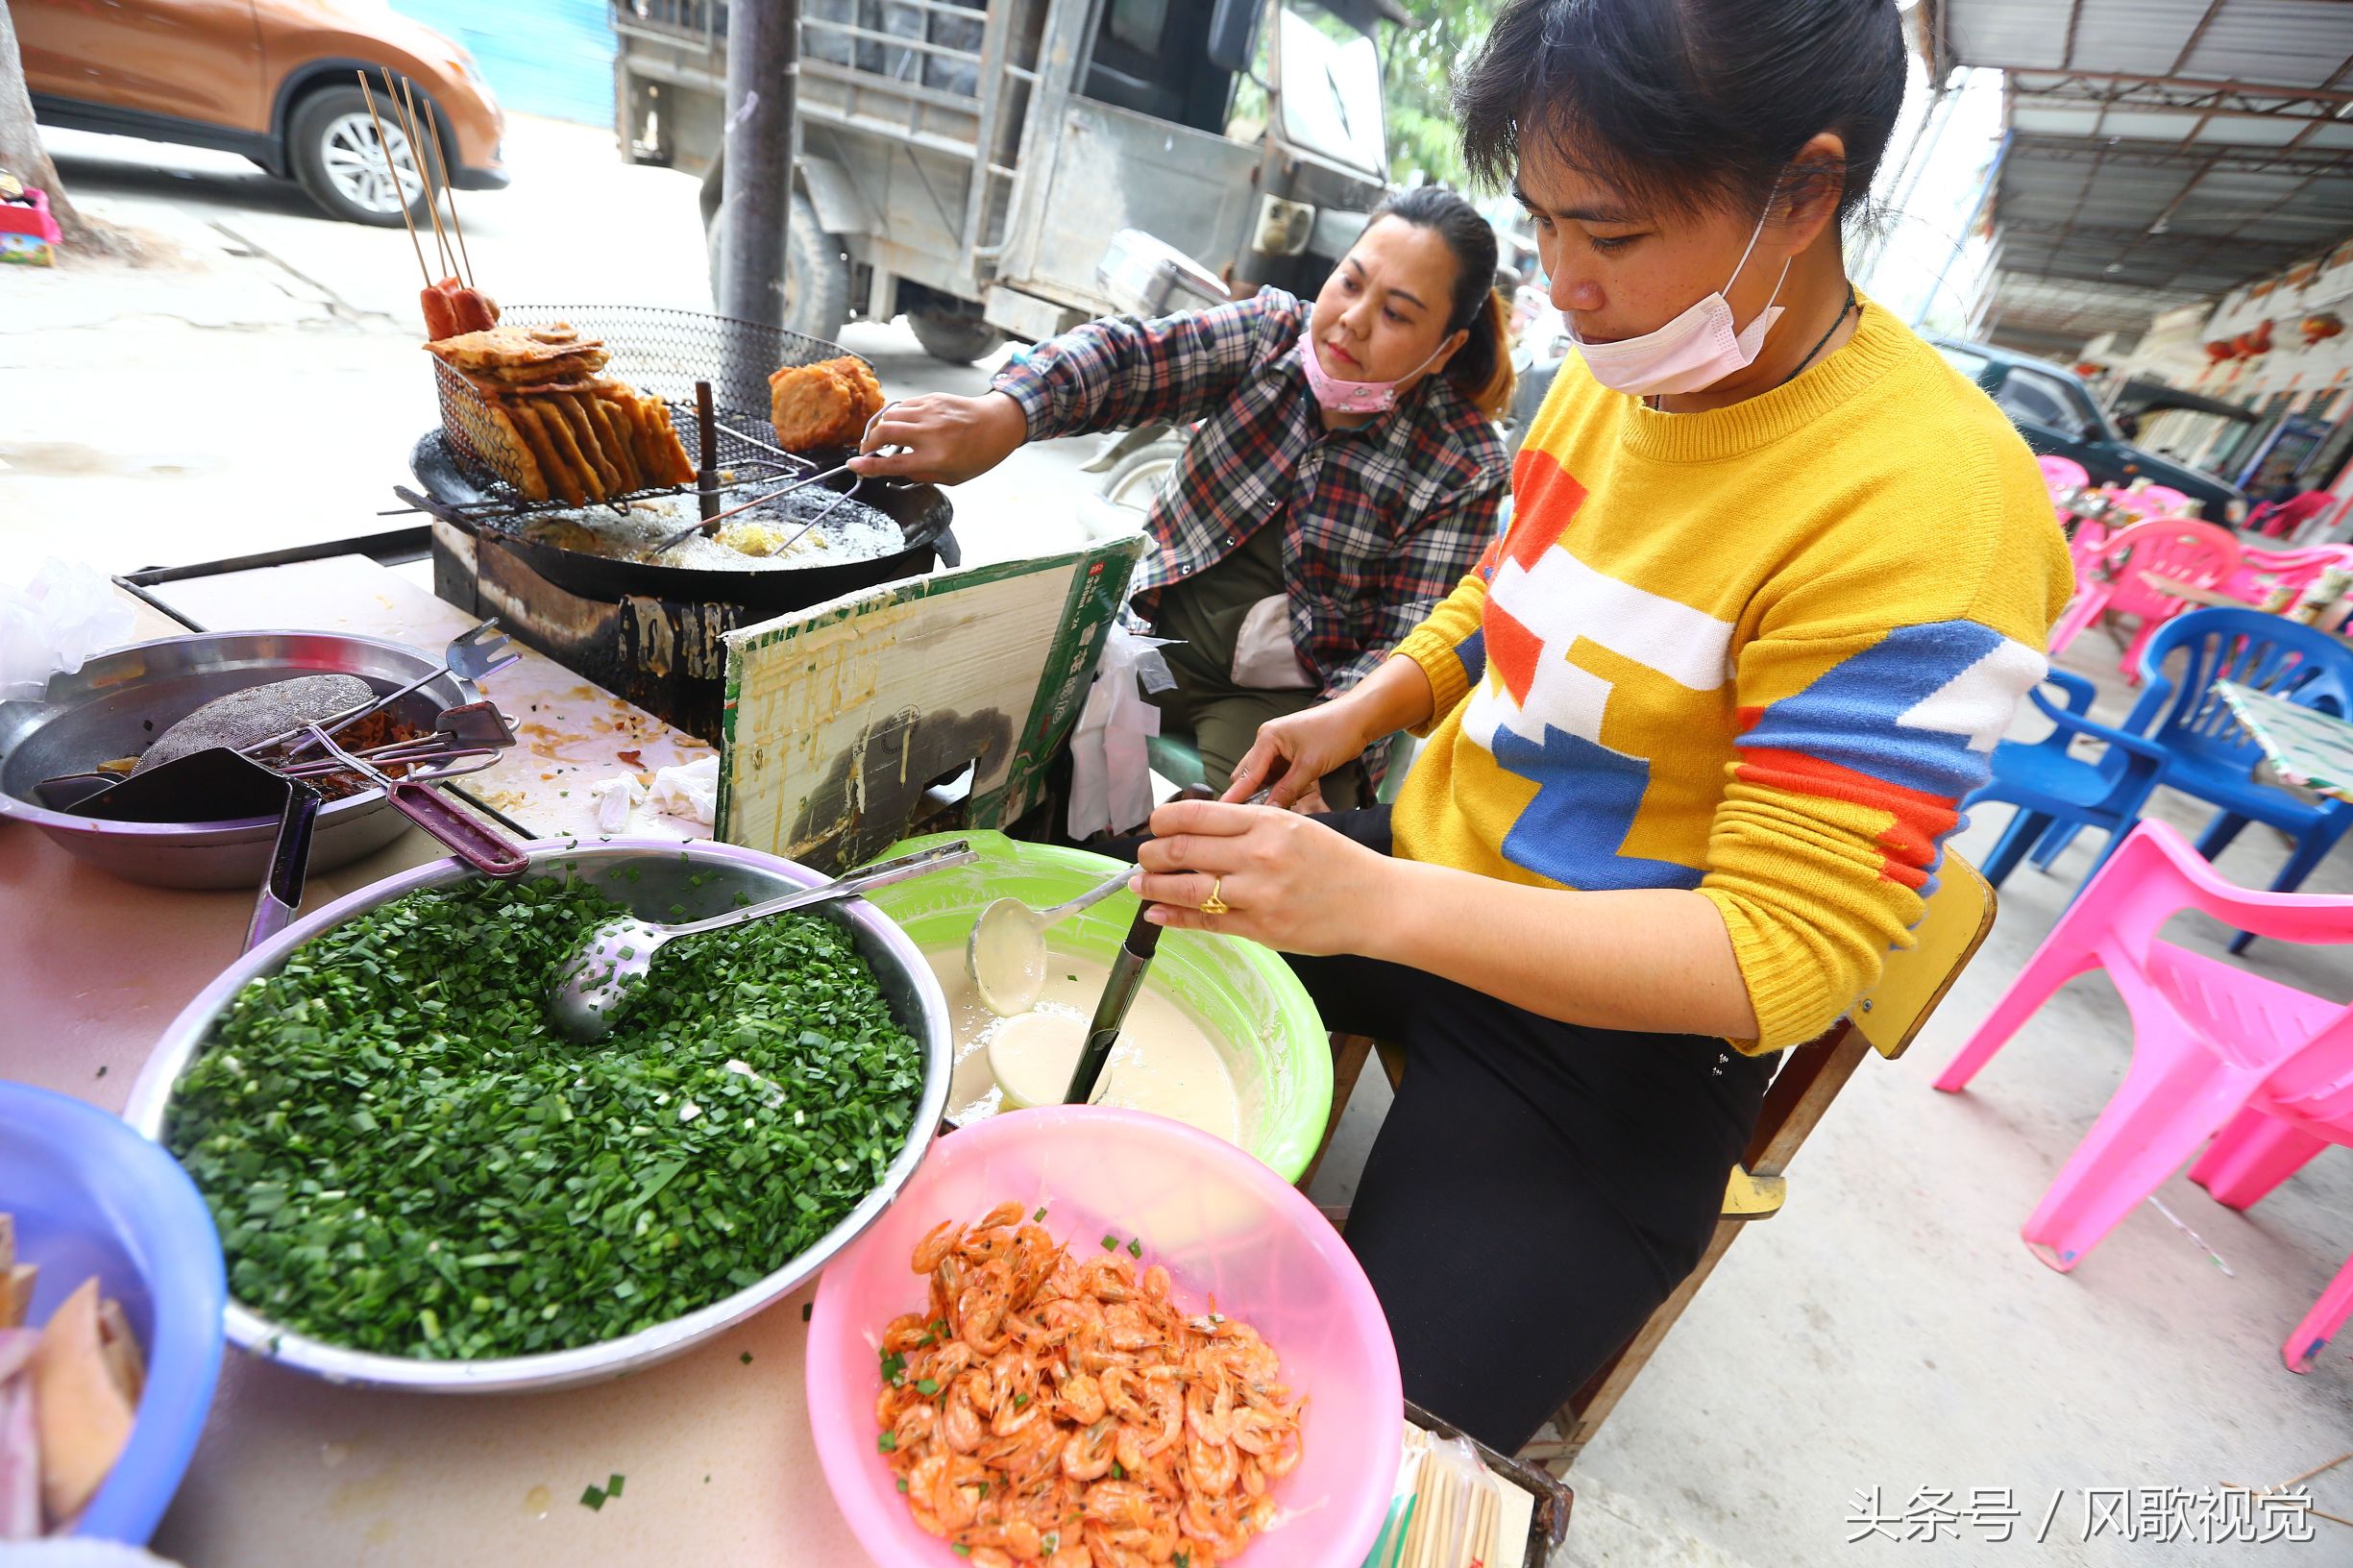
684,1184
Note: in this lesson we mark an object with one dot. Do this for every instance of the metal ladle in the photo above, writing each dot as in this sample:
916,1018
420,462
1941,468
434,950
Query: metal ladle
615,958
1005,955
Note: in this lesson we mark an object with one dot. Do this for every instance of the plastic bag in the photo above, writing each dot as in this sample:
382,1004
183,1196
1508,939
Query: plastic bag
1110,778
55,622
1444,1511
690,790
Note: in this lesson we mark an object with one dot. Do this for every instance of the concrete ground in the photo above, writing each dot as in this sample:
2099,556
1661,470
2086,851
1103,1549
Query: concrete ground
258,387
257,381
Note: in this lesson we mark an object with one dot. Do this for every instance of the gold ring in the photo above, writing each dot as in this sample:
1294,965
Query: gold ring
1212,904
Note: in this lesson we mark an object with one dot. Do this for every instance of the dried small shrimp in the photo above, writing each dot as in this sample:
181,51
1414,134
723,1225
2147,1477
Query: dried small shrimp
1063,1410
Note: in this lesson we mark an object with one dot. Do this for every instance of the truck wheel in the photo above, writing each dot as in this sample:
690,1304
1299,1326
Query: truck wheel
332,147
1139,476
815,273
957,339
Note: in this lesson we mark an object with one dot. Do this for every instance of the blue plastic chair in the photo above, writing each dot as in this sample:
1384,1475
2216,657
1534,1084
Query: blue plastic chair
2209,755
2049,786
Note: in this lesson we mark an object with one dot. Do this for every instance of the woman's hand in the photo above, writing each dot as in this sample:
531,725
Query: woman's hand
1295,753
949,439
1287,880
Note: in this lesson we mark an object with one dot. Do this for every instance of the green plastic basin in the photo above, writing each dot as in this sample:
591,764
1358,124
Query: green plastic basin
1243,994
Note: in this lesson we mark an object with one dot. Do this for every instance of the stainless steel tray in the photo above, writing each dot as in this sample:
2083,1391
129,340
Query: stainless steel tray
663,873
118,703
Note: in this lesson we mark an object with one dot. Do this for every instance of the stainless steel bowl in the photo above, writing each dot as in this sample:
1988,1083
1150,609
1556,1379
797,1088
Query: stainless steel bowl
663,873
118,703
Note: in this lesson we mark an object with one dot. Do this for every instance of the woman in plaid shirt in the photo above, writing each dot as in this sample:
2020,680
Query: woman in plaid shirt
1346,473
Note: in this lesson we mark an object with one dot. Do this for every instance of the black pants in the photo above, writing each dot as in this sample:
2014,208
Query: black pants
1538,1188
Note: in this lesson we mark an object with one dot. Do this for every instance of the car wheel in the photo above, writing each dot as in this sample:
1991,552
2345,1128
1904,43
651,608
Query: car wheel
815,273
955,338
333,146
1139,476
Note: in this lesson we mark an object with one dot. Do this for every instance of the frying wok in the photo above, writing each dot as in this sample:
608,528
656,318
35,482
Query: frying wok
921,510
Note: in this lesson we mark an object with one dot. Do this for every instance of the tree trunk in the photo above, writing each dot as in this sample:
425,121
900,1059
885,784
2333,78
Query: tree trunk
20,144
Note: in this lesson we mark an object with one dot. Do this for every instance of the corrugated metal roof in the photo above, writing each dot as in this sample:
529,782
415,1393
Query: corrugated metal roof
2162,150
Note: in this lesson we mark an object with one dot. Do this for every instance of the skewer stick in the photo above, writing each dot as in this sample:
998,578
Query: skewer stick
433,121
2314,1470
393,174
1485,1548
1416,1553
424,172
418,153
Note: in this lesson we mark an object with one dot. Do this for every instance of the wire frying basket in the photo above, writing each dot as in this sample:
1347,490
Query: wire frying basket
657,350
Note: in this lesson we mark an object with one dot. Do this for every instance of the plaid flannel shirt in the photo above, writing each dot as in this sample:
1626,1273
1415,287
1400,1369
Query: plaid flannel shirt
1379,523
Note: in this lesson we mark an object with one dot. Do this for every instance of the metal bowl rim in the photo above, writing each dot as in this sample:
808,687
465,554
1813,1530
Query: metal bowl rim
13,808
151,1098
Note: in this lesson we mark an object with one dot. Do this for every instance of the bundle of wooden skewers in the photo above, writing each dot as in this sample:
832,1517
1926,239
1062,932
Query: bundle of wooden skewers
452,304
1450,1510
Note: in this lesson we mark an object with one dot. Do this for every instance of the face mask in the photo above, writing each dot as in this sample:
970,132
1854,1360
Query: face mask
1352,397
1697,349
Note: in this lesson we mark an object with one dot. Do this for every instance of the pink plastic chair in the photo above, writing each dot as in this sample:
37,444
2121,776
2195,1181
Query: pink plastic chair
2085,547
2263,572
2062,474
2162,501
2211,1041
2178,546
2282,518
2246,1160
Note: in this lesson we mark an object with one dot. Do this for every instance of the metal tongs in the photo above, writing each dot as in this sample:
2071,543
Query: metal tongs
707,524
473,734
478,652
473,841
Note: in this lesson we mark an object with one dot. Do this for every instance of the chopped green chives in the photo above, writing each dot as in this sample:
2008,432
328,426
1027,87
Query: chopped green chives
403,1157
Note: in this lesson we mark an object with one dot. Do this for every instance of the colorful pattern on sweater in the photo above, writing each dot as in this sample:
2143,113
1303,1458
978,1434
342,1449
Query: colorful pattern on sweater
1761,652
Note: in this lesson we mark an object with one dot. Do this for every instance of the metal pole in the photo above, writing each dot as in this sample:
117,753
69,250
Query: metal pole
763,51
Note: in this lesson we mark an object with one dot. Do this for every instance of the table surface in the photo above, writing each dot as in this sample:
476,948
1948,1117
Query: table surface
2307,749
715,1444
2215,599
570,734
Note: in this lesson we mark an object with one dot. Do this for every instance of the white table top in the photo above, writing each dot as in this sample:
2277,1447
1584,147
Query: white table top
292,1471
572,733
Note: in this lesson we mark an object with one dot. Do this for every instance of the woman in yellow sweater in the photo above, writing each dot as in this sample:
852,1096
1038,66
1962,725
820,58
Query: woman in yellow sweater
1699,723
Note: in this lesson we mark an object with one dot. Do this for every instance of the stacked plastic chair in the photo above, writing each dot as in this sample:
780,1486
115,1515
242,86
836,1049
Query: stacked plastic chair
2181,548
2263,573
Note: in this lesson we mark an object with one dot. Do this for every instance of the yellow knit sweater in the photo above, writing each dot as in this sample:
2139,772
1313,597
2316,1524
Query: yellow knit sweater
1761,652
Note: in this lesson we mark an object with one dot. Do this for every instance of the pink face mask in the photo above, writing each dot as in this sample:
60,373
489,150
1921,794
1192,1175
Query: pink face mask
1352,397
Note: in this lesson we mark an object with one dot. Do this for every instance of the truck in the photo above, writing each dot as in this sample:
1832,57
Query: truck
970,165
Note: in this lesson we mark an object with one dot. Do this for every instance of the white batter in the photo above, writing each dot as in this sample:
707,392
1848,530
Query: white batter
1165,1063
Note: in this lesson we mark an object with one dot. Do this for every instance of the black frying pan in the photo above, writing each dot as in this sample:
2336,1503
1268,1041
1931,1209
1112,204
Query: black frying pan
921,510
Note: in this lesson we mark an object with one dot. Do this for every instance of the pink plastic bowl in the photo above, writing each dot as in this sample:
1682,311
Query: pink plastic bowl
1220,1220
